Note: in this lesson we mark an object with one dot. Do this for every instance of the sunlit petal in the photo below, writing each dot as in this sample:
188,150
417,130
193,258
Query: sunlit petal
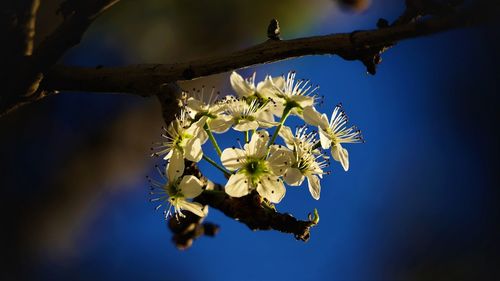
314,186
232,158
238,185
271,188
190,186
175,167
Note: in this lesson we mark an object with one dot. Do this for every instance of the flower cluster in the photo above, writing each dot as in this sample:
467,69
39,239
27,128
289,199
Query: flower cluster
272,155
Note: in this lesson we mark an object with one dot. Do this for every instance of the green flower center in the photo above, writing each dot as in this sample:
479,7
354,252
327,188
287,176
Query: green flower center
255,169
180,140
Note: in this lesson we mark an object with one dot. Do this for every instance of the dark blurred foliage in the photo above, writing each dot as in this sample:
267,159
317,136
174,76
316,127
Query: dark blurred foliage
67,160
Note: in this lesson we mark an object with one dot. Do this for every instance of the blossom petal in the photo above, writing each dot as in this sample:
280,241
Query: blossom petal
246,125
202,136
272,188
267,88
277,107
175,167
341,155
303,101
194,207
280,159
314,118
240,86
265,117
257,146
314,186
194,106
293,177
220,124
238,185
287,135
265,114
279,82
197,126
191,186
232,158
169,154
324,139
193,150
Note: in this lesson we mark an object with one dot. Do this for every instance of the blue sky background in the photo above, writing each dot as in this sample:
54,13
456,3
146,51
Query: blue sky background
416,202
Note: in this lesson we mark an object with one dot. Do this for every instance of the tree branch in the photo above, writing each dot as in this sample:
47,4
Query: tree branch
22,82
145,79
250,210
78,17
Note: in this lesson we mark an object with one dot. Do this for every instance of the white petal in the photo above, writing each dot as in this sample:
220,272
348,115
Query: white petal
280,159
202,136
314,186
238,185
191,186
271,187
257,146
324,139
287,135
194,106
279,82
168,155
265,124
265,118
246,125
195,128
265,114
340,154
232,158
266,88
277,107
240,86
175,167
293,177
303,101
193,150
314,118
194,207
220,124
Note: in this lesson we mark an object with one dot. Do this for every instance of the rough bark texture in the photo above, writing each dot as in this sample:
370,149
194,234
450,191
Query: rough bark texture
145,79
37,77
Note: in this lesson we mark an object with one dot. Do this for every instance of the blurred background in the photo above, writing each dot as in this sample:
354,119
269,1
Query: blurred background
418,203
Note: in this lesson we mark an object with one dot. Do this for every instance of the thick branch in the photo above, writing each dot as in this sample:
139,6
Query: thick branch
251,210
78,17
146,79
22,82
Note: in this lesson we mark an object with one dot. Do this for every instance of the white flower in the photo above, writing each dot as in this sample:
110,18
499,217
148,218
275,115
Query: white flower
254,171
198,105
184,140
246,88
245,116
307,162
334,132
176,192
294,95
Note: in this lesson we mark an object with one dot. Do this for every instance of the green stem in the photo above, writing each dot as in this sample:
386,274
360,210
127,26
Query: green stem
212,139
209,160
285,114
246,136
